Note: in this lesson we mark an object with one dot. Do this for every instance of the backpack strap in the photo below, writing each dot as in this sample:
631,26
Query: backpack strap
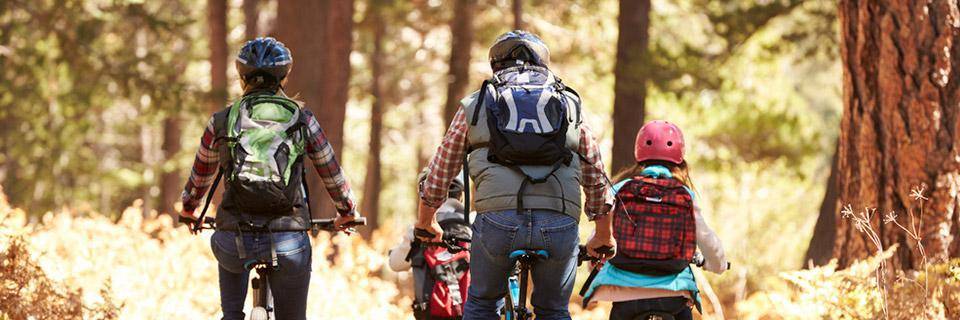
466,186
210,192
480,98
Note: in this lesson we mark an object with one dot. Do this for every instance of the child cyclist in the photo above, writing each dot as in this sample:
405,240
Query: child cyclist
258,144
657,227
440,277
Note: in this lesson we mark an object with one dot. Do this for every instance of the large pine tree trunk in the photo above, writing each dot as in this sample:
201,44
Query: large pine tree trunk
170,180
217,28
461,33
900,123
373,180
251,19
630,87
518,15
217,25
319,33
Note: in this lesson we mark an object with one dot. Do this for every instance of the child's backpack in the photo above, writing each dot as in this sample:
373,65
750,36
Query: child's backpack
655,226
265,140
441,278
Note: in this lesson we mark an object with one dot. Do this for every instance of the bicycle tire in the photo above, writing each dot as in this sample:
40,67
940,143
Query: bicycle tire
259,313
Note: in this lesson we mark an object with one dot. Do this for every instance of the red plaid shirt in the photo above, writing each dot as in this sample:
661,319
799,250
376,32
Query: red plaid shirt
318,150
448,160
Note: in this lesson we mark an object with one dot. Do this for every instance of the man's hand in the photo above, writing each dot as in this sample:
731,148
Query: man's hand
597,241
427,220
341,223
602,237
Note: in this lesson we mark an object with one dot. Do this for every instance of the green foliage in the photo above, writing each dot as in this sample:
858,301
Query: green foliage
85,87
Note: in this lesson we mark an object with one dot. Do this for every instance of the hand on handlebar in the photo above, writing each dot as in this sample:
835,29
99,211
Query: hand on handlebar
430,232
601,247
344,223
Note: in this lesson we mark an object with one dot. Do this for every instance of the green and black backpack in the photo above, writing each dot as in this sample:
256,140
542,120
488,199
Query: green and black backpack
265,139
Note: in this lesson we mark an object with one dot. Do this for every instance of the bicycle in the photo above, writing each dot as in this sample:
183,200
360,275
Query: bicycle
698,260
516,299
262,298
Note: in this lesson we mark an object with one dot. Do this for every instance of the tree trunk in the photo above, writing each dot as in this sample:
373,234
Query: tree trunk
251,19
373,181
630,73
321,72
217,25
170,180
825,231
461,33
899,125
518,15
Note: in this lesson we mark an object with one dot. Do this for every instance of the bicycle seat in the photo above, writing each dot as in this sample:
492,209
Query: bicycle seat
527,255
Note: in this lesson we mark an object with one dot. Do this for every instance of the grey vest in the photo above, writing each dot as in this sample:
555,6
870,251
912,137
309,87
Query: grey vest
497,185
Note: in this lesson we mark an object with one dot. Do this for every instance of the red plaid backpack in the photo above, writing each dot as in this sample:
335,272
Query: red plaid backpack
654,225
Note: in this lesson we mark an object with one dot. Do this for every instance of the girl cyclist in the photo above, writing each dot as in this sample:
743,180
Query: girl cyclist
657,227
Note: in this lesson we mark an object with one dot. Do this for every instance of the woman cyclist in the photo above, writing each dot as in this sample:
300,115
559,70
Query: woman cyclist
233,143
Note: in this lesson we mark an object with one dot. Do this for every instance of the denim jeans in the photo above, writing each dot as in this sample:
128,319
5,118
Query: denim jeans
288,283
629,310
495,235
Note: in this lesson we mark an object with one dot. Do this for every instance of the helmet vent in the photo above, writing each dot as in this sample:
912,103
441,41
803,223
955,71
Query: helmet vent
649,142
669,143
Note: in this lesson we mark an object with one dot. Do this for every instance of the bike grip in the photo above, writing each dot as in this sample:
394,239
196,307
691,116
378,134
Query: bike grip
361,221
423,233
185,219
604,250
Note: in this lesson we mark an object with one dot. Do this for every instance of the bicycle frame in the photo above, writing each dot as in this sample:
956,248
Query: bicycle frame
516,299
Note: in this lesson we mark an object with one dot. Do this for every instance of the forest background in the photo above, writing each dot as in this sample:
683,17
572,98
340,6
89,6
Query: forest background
793,110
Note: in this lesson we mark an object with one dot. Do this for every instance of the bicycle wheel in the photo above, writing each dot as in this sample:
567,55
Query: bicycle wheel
259,313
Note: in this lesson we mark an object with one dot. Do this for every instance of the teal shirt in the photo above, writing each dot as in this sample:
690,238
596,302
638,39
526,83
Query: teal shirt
613,276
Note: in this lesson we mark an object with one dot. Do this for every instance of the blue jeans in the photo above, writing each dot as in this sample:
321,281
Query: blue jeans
289,283
495,235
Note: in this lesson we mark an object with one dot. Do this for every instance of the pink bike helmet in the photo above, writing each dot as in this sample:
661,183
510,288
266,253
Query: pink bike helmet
659,140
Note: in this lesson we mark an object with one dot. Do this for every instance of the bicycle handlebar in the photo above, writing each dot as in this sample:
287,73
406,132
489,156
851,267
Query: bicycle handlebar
321,224
585,256
452,244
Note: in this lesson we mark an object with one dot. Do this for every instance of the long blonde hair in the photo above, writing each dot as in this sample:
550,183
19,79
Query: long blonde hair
679,171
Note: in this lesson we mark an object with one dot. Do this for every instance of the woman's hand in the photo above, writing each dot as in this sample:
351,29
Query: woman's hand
341,223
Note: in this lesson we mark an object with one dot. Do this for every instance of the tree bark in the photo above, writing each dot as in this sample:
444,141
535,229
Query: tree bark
461,34
251,18
217,25
518,15
899,125
170,180
825,231
321,72
373,180
630,73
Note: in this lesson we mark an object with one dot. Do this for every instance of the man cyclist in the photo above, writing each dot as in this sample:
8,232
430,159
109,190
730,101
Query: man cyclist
550,209
263,64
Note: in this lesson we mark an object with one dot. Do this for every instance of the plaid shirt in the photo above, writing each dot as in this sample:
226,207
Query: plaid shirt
318,149
446,163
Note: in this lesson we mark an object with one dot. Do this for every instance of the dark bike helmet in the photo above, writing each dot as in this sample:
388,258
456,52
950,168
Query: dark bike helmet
518,47
266,58
456,185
